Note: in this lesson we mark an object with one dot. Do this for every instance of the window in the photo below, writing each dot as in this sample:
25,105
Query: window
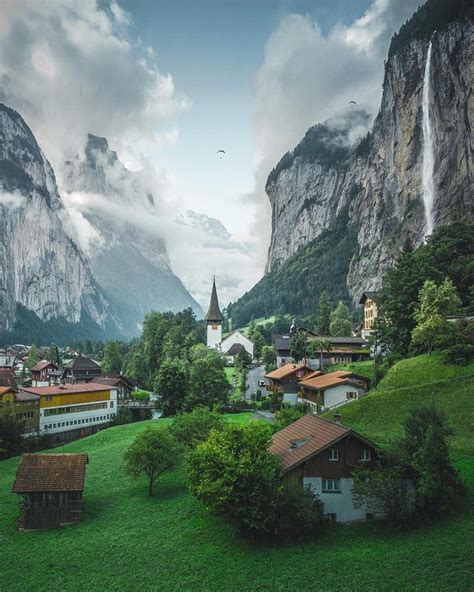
111,403
352,395
366,454
331,486
333,454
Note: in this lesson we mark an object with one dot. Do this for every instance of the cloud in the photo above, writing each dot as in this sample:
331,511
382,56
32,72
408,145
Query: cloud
12,200
307,76
72,67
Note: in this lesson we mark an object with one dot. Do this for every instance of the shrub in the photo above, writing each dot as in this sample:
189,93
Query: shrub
301,512
459,354
190,429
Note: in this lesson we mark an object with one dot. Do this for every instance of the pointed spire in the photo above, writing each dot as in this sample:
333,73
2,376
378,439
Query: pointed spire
214,314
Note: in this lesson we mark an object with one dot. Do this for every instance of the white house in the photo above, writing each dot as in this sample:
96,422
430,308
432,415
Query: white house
328,391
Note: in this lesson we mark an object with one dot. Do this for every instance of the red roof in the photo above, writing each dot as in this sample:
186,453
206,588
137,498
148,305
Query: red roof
304,438
50,472
65,389
285,371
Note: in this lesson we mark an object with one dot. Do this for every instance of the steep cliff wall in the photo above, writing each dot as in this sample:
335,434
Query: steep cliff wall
378,179
40,266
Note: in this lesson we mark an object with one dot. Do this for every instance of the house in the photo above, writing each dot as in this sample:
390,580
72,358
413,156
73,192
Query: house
369,302
327,391
323,455
233,341
51,488
341,349
7,378
75,410
10,362
80,369
41,373
122,384
23,406
284,380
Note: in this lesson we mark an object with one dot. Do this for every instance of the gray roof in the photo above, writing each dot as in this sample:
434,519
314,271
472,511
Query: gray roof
368,295
214,312
82,363
283,342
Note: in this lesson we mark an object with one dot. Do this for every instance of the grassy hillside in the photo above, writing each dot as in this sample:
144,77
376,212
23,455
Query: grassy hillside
170,542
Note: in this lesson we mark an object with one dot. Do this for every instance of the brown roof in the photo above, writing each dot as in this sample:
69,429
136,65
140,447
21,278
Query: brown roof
6,389
50,472
113,380
325,381
304,438
43,364
64,389
284,371
7,378
311,375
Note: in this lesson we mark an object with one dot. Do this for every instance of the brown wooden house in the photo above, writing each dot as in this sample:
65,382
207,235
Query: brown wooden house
51,487
41,372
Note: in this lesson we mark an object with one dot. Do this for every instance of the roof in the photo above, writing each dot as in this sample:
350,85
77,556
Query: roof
43,364
21,396
368,296
325,381
235,349
283,342
113,380
7,378
81,363
214,312
304,438
8,361
64,389
284,371
50,472
6,389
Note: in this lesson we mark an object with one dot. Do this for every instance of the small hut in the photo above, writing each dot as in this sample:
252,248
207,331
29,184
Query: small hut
51,486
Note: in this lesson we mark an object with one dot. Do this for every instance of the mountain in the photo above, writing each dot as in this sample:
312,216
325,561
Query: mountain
44,278
117,212
409,174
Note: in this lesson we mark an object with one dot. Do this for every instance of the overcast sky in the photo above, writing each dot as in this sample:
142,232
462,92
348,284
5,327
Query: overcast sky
170,82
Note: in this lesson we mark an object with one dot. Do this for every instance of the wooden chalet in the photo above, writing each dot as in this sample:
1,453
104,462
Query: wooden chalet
80,369
51,488
41,373
322,454
122,384
321,391
285,379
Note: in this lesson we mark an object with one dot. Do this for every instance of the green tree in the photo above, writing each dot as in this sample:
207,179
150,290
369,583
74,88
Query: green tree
324,314
33,357
11,434
53,355
153,452
298,347
269,355
190,429
288,415
259,343
208,381
318,347
436,302
341,325
235,476
113,357
172,386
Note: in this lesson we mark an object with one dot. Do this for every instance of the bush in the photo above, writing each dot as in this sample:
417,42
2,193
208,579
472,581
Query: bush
141,396
288,415
301,512
190,429
459,354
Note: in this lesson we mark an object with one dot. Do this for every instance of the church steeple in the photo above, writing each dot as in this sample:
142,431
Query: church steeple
214,314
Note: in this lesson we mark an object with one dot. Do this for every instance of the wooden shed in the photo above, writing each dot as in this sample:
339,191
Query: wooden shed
51,487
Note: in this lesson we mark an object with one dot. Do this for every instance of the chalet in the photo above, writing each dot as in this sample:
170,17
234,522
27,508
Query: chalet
51,488
23,406
327,391
341,349
284,380
80,369
9,362
41,373
369,302
75,410
7,378
236,338
323,455
122,384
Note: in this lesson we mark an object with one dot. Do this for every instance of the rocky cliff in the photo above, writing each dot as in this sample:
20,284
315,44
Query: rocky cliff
378,181
120,217
41,268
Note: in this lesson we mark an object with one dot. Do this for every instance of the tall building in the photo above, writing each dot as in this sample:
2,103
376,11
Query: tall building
214,320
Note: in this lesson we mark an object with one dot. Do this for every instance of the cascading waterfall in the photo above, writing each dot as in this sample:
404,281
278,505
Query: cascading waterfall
428,150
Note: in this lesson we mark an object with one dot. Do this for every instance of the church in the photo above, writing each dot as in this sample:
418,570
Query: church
233,343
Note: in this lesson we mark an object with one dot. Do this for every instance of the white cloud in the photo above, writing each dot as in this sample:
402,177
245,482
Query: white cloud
12,200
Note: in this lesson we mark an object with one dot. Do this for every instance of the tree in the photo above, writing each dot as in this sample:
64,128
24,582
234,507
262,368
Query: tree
114,357
33,357
53,355
153,452
288,415
324,314
172,386
319,346
11,434
298,347
190,429
269,355
258,343
435,303
235,476
208,381
341,325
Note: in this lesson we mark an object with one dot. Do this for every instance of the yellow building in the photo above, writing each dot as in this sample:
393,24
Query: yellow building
369,302
23,406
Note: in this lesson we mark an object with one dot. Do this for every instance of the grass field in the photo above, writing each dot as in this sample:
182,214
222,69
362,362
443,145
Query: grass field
171,543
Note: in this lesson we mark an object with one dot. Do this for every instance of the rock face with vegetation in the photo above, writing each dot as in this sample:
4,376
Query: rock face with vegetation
377,180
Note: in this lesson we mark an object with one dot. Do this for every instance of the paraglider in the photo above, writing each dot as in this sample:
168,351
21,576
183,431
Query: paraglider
352,103
220,153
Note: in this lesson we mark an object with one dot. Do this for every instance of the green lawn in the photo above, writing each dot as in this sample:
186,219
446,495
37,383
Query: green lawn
365,368
171,543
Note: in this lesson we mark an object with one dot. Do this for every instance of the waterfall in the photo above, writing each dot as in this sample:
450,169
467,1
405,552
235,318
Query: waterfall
428,151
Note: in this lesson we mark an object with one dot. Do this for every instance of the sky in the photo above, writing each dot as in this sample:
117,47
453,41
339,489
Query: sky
171,82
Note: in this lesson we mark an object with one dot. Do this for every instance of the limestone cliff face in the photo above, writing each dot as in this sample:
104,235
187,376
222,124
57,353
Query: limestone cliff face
41,268
378,180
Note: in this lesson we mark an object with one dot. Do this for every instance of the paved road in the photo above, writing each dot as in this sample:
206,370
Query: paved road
253,376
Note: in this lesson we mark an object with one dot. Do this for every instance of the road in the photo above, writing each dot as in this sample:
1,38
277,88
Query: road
253,376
